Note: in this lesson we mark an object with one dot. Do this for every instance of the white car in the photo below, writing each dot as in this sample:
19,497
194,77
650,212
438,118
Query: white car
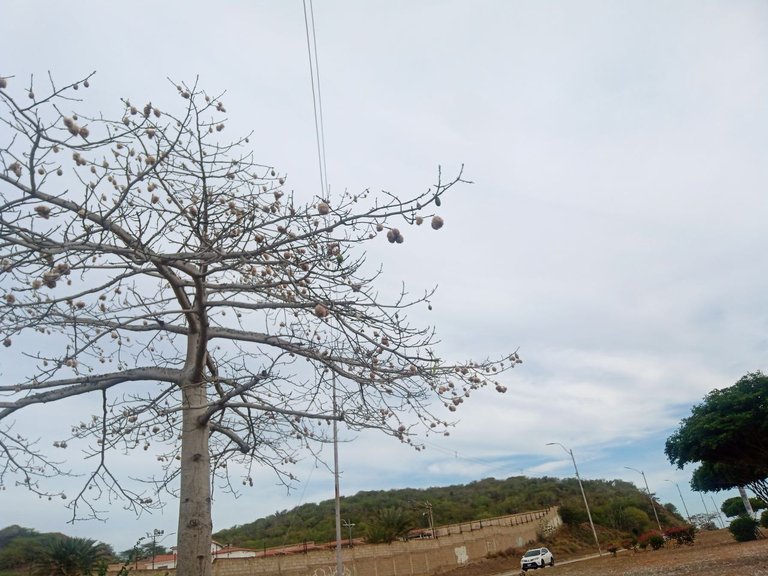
536,558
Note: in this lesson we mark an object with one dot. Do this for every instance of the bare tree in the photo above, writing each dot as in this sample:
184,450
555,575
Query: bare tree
217,319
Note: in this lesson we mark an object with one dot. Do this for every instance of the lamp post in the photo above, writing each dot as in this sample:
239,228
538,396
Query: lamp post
687,514
583,495
653,504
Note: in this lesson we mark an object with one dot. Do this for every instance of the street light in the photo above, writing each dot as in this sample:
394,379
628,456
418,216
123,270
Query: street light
687,514
583,495
653,504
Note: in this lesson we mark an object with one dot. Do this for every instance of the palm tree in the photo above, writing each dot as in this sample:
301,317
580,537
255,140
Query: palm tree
70,557
387,525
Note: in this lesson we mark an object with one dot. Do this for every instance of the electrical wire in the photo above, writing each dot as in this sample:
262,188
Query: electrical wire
317,106
317,101
491,466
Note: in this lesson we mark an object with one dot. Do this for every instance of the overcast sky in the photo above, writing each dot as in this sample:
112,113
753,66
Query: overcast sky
615,231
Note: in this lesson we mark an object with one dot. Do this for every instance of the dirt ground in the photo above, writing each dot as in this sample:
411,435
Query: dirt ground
715,553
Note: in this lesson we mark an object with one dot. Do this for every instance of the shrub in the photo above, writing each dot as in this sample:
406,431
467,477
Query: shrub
744,528
654,539
630,544
572,516
634,520
506,553
613,548
764,519
681,534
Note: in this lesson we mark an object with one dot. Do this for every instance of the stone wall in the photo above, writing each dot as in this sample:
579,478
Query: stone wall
455,545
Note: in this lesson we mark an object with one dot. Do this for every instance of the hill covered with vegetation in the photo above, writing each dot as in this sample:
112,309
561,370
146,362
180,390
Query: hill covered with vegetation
26,551
378,515
614,504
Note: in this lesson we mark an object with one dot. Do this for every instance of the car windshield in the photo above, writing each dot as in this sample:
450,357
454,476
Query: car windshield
532,553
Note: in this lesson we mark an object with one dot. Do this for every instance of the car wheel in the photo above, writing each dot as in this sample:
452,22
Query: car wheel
542,562
552,561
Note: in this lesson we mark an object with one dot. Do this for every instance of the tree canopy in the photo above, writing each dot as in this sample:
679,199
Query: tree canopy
735,506
725,435
210,316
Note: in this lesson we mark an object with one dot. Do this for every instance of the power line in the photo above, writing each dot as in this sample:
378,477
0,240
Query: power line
317,106
491,466
317,101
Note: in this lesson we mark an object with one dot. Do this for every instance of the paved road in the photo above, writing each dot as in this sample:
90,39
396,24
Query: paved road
532,572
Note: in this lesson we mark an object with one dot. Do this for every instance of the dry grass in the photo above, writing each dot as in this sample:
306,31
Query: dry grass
715,553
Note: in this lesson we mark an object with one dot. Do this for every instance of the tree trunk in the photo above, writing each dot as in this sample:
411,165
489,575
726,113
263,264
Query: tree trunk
747,503
195,524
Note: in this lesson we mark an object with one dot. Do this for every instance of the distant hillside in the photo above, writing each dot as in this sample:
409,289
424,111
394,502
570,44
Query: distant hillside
614,504
22,548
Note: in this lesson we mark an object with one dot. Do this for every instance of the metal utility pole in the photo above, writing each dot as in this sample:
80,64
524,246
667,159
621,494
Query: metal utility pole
687,514
583,494
722,522
430,517
710,518
339,564
653,504
349,525
154,535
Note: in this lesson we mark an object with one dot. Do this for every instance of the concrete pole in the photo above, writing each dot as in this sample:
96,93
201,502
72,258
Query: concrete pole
653,504
687,514
583,495
339,564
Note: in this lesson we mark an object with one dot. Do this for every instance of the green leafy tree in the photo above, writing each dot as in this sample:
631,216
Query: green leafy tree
735,506
725,435
151,266
144,550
